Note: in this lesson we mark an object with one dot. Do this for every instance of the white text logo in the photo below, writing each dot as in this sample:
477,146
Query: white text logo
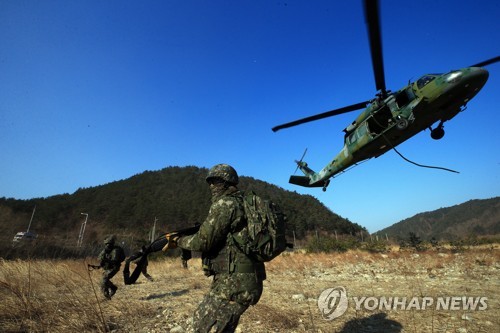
333,302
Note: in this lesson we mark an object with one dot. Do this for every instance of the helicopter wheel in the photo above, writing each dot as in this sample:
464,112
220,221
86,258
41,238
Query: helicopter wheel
402,124
437,133
325,185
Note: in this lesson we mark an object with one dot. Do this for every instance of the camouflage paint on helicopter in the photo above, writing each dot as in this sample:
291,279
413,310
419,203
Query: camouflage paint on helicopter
392,118
387,123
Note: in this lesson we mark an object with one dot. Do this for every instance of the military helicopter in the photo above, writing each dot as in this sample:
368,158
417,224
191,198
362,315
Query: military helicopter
392,118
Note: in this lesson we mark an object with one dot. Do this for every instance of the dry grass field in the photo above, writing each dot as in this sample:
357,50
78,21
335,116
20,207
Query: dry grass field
63,296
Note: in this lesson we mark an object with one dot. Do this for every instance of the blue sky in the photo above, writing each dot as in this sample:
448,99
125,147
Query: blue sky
96,91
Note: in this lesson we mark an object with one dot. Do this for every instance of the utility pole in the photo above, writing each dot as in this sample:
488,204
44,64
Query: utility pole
31,220
82,230
153,231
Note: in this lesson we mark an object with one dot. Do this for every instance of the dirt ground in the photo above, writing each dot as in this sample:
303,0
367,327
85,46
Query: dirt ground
290,299
289,302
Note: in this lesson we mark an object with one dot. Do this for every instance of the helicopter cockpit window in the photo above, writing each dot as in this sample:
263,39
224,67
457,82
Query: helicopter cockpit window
425,80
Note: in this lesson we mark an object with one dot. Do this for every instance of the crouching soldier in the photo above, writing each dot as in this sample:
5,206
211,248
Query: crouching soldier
110,260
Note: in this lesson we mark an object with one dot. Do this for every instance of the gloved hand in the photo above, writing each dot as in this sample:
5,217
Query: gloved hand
171,242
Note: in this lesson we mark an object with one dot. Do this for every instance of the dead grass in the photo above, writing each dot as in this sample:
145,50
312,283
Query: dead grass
58,296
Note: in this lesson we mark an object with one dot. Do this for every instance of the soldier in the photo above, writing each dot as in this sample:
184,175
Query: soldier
185,256
237,279
110,260
144,269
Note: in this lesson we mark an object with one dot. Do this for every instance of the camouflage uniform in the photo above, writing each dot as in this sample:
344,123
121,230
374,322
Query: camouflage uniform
237,279
144,269
110,260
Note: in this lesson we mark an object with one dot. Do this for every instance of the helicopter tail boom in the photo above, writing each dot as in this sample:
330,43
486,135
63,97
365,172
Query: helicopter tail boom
310,178
305,182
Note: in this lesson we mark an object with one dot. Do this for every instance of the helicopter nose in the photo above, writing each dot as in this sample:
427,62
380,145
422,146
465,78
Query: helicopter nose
477,76
466,82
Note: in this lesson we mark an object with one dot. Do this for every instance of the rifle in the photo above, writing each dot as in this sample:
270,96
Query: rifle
161,241
157,245
92,267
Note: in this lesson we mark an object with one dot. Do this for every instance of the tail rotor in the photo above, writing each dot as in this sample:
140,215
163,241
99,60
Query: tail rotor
299,162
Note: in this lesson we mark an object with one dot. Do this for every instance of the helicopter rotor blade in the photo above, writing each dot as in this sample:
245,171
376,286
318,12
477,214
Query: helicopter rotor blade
487,62
323,115
374,35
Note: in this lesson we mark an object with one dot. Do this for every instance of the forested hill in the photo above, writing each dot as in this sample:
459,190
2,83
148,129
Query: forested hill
472,218
175,196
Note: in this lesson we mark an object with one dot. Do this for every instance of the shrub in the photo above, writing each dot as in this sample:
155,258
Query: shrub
330,243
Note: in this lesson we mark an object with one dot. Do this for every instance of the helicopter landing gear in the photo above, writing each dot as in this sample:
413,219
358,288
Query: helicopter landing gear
402,124
327,182
438,132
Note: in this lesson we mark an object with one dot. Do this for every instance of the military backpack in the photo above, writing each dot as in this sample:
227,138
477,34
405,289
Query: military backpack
266,226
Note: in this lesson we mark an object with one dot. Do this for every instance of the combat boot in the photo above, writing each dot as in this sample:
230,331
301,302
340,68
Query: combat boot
113,291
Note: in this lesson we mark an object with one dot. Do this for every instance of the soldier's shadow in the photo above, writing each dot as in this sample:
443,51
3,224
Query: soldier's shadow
162,295
377,323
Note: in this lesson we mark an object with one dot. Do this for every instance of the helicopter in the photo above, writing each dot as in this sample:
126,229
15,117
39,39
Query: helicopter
391,118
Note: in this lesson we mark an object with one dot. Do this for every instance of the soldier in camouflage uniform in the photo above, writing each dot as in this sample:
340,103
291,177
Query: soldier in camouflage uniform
237,279
110,261
137,257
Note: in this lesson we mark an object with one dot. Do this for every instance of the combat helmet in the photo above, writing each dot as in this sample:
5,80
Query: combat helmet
224,172
111,239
